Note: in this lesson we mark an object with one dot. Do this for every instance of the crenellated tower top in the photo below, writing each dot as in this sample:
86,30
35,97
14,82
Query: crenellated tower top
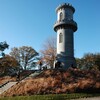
64,6
65,17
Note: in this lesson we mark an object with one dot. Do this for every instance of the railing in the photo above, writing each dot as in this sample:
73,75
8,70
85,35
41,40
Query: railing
70,21
22,78
18,80
4,84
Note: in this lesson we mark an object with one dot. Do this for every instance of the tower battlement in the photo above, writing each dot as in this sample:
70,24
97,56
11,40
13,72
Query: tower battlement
64,6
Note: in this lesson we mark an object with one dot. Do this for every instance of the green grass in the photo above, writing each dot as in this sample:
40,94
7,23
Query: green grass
51,97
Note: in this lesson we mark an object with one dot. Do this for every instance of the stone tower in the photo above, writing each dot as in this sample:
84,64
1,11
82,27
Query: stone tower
65,26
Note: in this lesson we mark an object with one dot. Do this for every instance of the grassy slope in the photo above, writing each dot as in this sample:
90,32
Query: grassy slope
58,82
51,97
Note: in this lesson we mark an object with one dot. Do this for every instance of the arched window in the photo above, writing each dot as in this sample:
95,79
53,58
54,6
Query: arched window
60,38
61,16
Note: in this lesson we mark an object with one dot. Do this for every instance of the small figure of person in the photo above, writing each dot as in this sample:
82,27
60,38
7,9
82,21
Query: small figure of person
72,66
40,65
58,64
18,75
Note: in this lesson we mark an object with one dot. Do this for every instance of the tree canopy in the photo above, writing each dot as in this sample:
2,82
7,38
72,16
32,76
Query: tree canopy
7,63
89,61
25,55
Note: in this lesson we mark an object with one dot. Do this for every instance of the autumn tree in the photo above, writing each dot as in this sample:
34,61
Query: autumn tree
8,63
97,60
89,61
25,55
48,52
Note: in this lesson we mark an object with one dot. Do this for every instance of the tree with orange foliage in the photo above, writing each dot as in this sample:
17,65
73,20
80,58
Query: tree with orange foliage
48,52
89,61
7,63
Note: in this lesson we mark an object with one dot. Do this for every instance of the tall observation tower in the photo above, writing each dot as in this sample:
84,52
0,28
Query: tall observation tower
65,26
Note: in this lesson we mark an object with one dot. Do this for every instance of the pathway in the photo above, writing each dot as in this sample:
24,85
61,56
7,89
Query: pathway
7,86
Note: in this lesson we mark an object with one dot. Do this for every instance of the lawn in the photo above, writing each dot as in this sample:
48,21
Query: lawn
52,97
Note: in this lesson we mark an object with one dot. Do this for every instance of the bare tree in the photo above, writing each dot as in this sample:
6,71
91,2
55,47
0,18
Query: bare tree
49,51
24,55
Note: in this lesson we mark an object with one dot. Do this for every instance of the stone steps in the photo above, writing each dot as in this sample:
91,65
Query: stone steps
7,86
10,84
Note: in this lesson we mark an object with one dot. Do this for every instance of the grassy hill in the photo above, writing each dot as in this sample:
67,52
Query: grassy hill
58,82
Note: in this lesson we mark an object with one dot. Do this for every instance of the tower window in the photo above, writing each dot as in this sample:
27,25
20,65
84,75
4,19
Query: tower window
61,16
60,38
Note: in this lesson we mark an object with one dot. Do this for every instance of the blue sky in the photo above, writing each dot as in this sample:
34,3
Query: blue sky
30,23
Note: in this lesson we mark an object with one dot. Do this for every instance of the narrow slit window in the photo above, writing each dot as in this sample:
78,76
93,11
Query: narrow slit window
61,16
60,38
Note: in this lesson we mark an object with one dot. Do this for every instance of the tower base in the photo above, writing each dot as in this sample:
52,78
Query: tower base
66,61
